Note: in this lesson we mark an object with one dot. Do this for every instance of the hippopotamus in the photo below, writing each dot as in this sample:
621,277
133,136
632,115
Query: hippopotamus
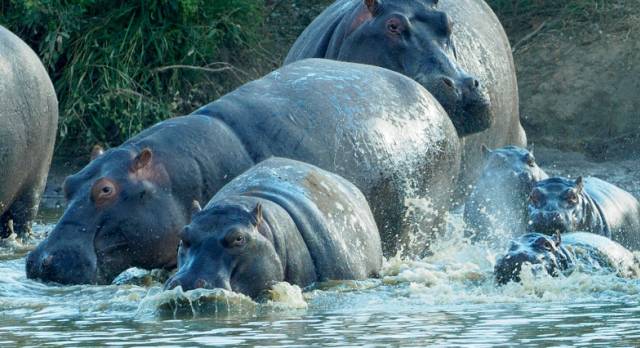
127,206
282,220
497,205
586,252
457,49
28,125
589,204
378,129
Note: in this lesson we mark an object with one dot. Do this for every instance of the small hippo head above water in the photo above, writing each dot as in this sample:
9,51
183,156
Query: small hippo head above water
556,205
229,248
537,249
511,163
120,214
415,39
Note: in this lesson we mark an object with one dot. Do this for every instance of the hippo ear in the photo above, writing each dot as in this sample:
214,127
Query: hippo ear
257,214
195,207
96,151
557,239
579,184
142,160
372,5
485,150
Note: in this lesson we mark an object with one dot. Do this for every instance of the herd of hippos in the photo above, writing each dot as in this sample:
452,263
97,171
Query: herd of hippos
307,171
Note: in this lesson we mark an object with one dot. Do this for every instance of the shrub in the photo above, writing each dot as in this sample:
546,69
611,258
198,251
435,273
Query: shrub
119,66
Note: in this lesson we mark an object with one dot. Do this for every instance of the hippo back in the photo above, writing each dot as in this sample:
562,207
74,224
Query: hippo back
601,252
482,49
378,129
619,209
331,215
28,122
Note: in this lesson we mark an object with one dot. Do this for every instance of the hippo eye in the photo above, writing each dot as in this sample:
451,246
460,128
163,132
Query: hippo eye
545,244
104,191
395,26
235,240
531,161
572,198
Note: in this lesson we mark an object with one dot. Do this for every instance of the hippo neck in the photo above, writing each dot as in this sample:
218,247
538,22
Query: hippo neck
592,218
348,21
281,230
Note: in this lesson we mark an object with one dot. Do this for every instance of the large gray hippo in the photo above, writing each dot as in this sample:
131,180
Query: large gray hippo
376,128
28,125
457,49
282,220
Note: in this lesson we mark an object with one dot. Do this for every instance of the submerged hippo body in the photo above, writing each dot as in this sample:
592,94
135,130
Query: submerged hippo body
457,49
28,125
592,205
282,220
585,252
497,206
378,129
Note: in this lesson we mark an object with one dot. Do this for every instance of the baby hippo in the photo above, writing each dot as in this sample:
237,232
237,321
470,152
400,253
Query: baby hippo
282,220
498,203
561,205
582,251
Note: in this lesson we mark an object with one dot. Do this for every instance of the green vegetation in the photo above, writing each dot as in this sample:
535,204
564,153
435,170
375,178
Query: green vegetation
119,66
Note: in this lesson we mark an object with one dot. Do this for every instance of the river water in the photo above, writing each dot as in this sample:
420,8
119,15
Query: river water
446,299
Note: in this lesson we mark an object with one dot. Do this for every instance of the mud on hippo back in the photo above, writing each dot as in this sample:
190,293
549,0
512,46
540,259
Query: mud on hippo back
592,205
457,49
282,220
565,254
378,129
28,125
497,206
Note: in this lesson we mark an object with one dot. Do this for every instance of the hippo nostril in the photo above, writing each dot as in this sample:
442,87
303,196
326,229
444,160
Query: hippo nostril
201,283
448,82
471,83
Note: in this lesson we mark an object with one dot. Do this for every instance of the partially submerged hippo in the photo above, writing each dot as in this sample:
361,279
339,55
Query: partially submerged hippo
378,129
28,125
497,206
586,252
562,205
282,220
127,206
457,49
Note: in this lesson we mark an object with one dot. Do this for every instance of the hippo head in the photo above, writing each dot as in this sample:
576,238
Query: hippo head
227,247
120,214
513,164
555,205
544,252
413,38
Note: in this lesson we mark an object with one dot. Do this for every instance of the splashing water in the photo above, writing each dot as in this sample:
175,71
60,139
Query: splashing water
446,298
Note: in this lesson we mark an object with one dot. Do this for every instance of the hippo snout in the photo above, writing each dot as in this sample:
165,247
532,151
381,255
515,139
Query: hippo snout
188,282
61,266
548,222
509,266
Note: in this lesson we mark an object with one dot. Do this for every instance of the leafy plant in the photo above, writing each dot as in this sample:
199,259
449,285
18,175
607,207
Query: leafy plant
119,66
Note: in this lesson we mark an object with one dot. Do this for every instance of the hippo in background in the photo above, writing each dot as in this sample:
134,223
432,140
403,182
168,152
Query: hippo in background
456,49
282,220
379,129
497,206
565,254
561,205
28,125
